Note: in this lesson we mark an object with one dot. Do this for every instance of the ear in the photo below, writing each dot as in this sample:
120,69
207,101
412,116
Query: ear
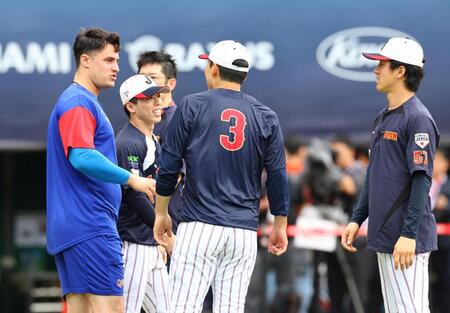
401,71
172,83
85,60
214,70
130,107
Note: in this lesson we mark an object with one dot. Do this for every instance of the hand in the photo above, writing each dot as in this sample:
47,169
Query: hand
145,185
163,253
170,243
348,236
404,251
162,230
278,238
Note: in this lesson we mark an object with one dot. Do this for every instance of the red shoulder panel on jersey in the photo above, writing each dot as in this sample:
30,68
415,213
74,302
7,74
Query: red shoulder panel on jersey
77,128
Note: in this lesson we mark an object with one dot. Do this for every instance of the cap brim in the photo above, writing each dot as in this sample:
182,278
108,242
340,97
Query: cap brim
376,56
203,56
150,92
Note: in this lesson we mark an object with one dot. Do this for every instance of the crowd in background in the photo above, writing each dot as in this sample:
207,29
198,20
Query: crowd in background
325,180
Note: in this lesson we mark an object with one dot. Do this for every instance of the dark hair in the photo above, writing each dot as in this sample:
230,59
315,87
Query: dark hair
232,75
132,100
414,74
342,138
93,39
294,142
169,67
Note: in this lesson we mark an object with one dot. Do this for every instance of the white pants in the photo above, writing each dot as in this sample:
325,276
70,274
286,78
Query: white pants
404,291
206,255
146,279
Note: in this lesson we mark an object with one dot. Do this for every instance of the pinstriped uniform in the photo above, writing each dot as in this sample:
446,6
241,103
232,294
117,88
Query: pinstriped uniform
210,255
146,279
404,291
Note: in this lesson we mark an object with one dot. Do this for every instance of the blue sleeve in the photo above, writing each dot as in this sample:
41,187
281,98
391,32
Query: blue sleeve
173,149
362,208
418,198
179,129
92,163
422,142
278,191
275,165
275,157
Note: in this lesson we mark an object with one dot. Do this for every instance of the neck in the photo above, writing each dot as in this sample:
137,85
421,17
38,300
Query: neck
84,81
398,97
146,129
228,85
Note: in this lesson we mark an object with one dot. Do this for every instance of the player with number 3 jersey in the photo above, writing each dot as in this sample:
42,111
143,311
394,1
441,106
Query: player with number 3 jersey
226,138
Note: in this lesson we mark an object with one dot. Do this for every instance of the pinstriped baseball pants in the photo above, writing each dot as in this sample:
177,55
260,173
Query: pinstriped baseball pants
404,291
209,255
146,279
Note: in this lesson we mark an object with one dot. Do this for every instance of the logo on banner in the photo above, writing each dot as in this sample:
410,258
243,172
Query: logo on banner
422,139
56,57
340,53
186,56
51,57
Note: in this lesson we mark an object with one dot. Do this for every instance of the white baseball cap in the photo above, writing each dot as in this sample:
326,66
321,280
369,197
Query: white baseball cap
404,50
225,52
140,87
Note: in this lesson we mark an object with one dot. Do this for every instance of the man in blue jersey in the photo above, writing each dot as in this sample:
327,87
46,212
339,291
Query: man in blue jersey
226,138
83,182
402,229
137,151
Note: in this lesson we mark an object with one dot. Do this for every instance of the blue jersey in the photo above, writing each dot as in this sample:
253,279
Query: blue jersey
137,154
78,207
404,141
226,139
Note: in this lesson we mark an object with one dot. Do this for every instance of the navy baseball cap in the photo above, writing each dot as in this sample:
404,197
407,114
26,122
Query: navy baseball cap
140,87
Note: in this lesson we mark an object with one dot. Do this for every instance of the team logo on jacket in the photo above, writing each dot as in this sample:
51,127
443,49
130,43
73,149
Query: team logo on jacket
388,135
422,139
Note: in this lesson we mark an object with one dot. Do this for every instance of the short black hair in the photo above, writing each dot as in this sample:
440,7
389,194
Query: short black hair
233,75
414,74
294,142
169,67
93,39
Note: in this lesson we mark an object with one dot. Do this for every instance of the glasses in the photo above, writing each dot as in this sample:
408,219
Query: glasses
155,77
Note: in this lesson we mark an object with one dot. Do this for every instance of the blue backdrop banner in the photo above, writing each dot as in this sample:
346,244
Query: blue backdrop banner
306,55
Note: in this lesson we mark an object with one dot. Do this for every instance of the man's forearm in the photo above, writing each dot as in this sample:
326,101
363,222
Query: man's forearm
280,222
162,203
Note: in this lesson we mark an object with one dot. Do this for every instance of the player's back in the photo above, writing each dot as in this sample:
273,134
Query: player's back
225,153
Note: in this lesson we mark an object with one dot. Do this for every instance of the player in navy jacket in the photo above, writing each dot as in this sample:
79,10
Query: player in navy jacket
162,69
226,138
402,228
137,151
